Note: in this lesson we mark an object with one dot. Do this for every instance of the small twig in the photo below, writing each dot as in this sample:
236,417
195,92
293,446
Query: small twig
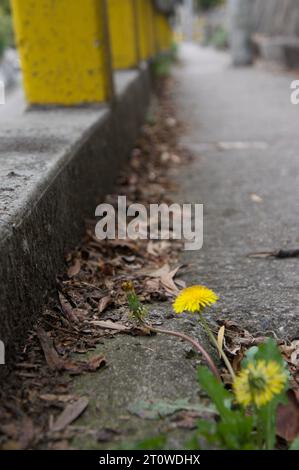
280,254
194,343
287,253
85,284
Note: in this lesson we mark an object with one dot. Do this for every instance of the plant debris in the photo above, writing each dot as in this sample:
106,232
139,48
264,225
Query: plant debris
287,418
69,414
37,407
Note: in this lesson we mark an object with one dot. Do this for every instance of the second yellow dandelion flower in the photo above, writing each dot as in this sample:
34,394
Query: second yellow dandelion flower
259,382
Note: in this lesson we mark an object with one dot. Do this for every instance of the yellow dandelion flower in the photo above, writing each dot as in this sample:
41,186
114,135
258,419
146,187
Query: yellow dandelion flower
259,382
194,299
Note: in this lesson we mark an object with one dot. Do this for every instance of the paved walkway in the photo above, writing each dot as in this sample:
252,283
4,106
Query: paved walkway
243,132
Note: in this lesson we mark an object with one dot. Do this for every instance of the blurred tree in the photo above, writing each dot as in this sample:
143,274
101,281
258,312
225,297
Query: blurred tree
5,6
207,4
6,30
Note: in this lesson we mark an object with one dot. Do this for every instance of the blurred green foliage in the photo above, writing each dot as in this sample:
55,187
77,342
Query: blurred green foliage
220,38
163,62
207,4
6,29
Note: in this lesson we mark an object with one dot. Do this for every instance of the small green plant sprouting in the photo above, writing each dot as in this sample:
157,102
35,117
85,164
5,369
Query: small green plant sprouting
137,310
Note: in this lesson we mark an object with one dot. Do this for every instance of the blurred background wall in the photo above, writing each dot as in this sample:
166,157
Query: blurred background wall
276,17
250,28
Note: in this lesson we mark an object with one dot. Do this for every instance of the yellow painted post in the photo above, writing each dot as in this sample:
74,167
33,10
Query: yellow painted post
144,28
64,50
158,31
152,27
123,33
167,33
163,32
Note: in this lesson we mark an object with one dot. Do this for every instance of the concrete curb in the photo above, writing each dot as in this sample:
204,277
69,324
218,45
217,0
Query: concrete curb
55,166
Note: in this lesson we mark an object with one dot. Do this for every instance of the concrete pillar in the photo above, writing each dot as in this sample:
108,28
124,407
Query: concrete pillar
241,18
64,51
123,33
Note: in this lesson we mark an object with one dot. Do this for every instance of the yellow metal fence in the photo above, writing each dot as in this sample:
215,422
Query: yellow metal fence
69,48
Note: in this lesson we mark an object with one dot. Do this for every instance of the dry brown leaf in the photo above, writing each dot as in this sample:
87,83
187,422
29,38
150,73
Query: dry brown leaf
12,445
220,338
67,309
104,303
70,414
160,272
74,269
94,363
157,248
151,248
57,363
57,398
80,314
295,353
168,282
166,277
9,430
106,434
27,432
182,284
110,325
51,355
287,418
152,285
125,244
187,420
22,435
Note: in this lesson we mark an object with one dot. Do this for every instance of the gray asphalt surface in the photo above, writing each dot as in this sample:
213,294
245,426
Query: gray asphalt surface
243,132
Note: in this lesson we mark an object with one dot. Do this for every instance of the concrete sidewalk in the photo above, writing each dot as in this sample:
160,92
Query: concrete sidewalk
243,133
